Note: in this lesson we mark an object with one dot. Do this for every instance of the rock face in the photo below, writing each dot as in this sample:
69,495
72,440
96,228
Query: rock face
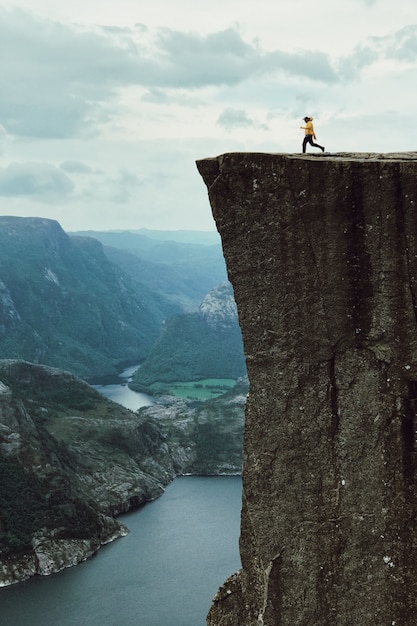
218,308
322,255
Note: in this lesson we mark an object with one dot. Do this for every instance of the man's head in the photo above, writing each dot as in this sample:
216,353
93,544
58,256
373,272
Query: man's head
306,119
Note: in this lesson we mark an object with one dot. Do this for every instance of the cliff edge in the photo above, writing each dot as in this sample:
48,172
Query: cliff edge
321,251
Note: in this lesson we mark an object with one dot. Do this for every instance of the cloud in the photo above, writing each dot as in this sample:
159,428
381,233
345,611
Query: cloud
224,58
236,118
118,189
3,136
156,96
62,81
40,181
181,97
400,47
53,77
351,66
75,167
315,66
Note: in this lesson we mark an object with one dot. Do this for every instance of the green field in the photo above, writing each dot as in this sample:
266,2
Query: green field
195,390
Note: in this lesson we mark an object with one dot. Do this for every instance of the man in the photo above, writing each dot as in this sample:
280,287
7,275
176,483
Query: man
310,134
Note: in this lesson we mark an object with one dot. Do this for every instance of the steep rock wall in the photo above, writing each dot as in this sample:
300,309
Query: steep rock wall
322,255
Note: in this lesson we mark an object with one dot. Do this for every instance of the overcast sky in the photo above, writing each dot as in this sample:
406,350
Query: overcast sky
106,106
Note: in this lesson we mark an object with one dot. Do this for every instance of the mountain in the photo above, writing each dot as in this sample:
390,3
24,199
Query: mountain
173,264
206,344
205,438
194,237
63,303
72,460
202,237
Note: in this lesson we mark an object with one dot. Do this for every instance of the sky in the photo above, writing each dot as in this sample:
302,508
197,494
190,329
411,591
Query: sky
106,105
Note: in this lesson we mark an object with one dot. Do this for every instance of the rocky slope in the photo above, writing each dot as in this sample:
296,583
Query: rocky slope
71,461
327,299
204,438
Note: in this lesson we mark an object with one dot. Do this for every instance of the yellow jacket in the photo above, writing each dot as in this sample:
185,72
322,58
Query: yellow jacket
308,128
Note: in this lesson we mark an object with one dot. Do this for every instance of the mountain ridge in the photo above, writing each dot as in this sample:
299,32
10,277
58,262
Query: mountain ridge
64,302
180,271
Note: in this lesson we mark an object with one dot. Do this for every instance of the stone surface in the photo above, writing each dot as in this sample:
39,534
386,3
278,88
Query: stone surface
322,255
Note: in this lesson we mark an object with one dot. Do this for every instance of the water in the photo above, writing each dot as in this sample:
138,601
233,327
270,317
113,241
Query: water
180,549
120,392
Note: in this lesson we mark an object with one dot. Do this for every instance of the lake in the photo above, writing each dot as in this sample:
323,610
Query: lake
165,572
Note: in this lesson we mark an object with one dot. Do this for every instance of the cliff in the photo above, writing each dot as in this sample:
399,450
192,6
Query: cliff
70,461
322,255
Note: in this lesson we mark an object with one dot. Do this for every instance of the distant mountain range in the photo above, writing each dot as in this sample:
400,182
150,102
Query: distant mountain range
71,460
203,238
172,264
69,302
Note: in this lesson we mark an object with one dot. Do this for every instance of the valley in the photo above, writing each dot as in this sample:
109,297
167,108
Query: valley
194,390
71,318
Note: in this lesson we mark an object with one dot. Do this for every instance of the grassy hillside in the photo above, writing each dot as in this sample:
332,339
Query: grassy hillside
63,303
196,346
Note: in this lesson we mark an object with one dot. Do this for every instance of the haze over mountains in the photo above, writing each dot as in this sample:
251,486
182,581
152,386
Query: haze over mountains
69,302
180,266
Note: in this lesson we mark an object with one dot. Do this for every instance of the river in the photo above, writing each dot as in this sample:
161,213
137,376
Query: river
165,572
120,392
